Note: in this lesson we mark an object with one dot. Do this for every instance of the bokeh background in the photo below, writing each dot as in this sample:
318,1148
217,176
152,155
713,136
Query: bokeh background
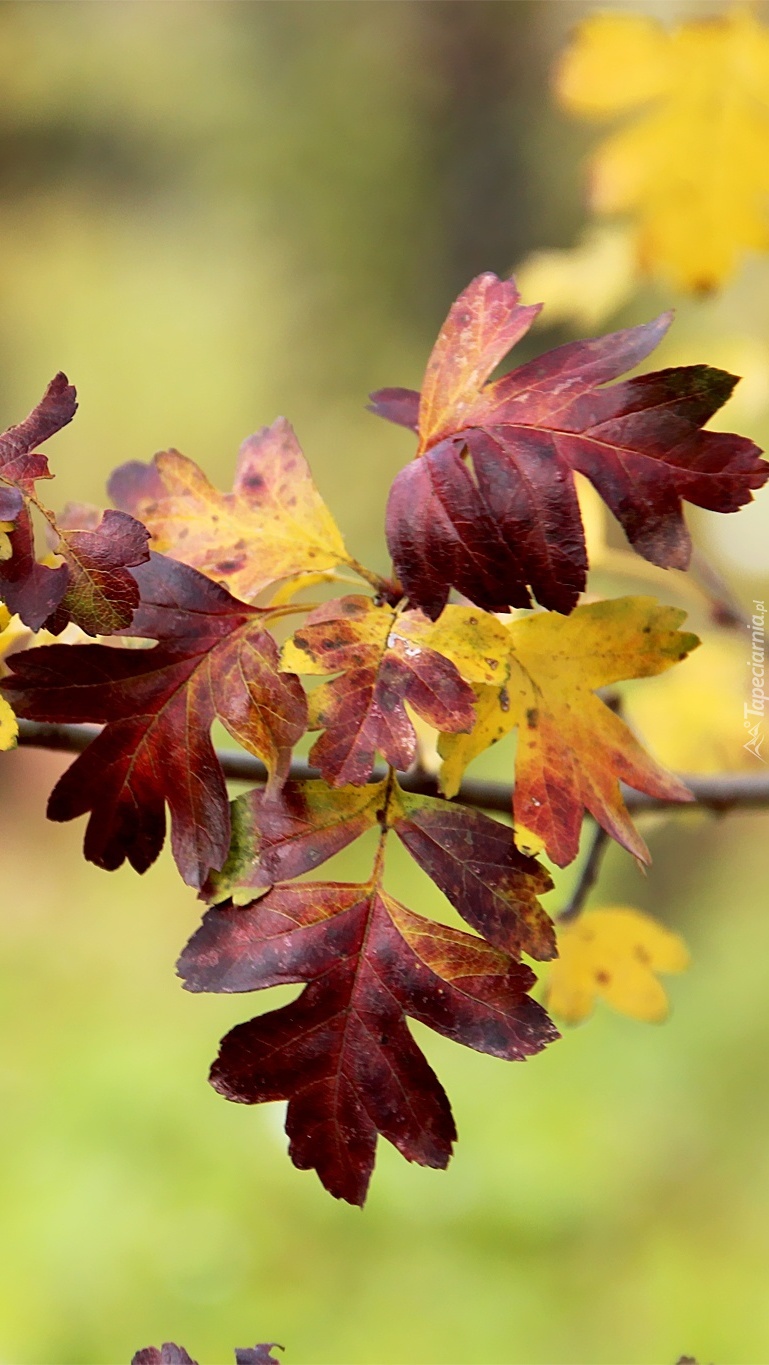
212,213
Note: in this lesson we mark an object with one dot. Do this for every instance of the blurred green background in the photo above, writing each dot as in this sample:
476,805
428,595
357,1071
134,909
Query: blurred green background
212,213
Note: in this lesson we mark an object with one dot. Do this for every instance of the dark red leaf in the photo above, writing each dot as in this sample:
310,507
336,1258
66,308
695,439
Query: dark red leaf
293,831
474,861
169,1354
101,594
397,405
363,710
57,407
214,659
341,1054
31,590
502,455
261,1354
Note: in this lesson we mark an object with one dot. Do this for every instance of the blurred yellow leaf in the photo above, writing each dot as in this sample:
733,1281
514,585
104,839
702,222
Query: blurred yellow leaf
614,953
583,284
693,167
694,719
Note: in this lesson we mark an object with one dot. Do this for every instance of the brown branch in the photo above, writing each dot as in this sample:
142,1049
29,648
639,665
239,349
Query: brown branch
720,793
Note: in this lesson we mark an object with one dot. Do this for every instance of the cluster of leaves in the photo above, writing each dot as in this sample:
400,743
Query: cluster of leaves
488,507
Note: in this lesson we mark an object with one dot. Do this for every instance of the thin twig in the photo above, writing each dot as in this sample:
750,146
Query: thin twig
720,793
588,876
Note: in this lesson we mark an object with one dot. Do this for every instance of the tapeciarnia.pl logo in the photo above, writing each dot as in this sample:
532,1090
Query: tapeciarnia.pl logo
754,711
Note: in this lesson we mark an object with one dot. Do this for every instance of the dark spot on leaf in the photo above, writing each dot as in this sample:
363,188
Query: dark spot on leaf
641,954
603,978
253,481
504,699
532,716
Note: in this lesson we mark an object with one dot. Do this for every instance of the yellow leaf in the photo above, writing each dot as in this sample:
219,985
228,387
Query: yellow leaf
614,953
476,642
693,167
695,719
9,728
573,751
273,525
583,284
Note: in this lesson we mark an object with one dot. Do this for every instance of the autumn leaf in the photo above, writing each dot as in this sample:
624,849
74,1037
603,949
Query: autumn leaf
573,751
93,587
489,505
692,166
475,863
168,1354
101,595
381,668
471,858
613,953
261,1354
293,831
274,523
214,659
342,1054
29,589
585,284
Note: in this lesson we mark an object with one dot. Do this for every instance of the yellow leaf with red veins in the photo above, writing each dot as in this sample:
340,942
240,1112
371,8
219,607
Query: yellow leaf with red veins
274,524
692,163
614,954
573,751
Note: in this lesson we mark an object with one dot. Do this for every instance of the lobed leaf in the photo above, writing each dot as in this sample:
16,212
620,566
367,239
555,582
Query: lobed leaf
573,751
614,952
292,831
92,587
690,165
489,504
274,523
341,1054
214,659
474,861
381,668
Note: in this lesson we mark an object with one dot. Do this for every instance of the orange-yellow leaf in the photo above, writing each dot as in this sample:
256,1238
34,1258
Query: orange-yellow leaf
693,166
573,751
273,525
614,953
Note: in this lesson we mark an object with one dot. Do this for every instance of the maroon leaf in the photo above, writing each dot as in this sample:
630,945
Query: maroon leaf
261,1354
292,831
495,460
474,861
57,407
397,405
214,659
169,1354
32,591
101,594
363,711
341,1054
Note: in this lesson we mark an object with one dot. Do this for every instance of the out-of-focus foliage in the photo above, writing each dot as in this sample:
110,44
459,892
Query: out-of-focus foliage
613,953
692,167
